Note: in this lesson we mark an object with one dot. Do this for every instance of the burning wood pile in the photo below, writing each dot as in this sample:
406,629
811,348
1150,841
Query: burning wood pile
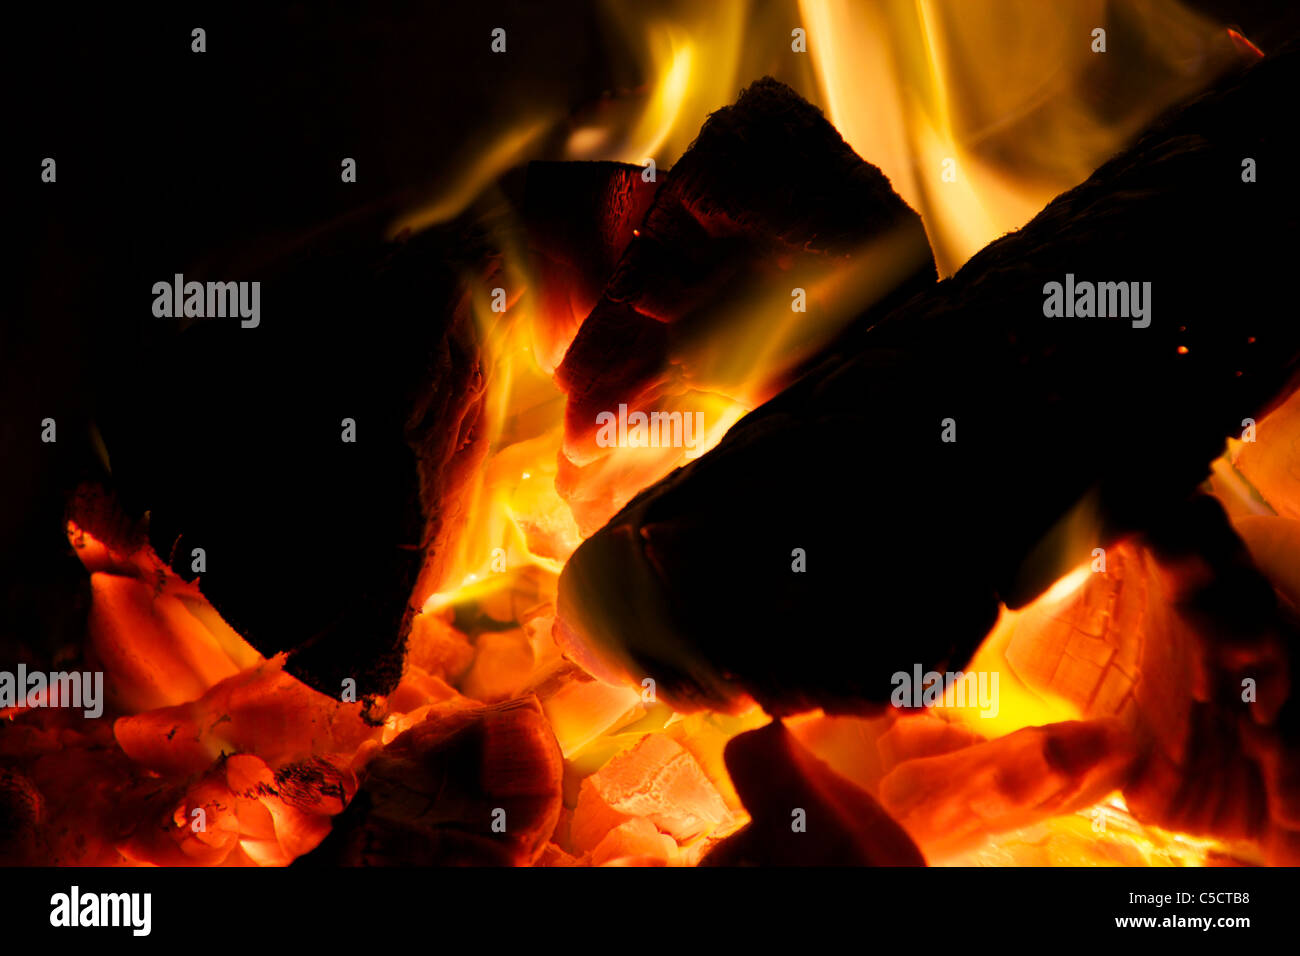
669,501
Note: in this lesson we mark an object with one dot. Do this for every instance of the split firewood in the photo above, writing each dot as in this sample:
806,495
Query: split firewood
768,186
804,813
468,786
976,444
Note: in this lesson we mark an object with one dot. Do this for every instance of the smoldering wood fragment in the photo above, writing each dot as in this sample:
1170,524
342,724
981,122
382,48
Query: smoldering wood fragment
1069,433
580,216
431,797
767,180
841,825
616,344
230,439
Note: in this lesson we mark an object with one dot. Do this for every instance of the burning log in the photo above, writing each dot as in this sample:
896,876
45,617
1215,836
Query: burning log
767,185
468,786
1008,442
804,812
306,470
580,218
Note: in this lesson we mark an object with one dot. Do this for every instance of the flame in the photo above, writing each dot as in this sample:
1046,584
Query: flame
656,124
693,62
516,520
1010,94
1019,128
482,167
1006,98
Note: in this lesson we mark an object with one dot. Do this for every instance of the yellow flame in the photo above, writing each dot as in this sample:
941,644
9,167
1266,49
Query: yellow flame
661,115
980,112
1018,704
483,166
693,63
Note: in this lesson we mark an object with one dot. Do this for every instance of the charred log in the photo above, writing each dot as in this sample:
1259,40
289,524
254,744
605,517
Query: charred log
769,179
580,219
1069,432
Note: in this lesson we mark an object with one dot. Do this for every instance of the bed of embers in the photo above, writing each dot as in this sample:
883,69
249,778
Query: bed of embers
560,653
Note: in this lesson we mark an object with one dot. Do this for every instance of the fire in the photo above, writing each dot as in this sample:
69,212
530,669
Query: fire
981,113
269,762
693,60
